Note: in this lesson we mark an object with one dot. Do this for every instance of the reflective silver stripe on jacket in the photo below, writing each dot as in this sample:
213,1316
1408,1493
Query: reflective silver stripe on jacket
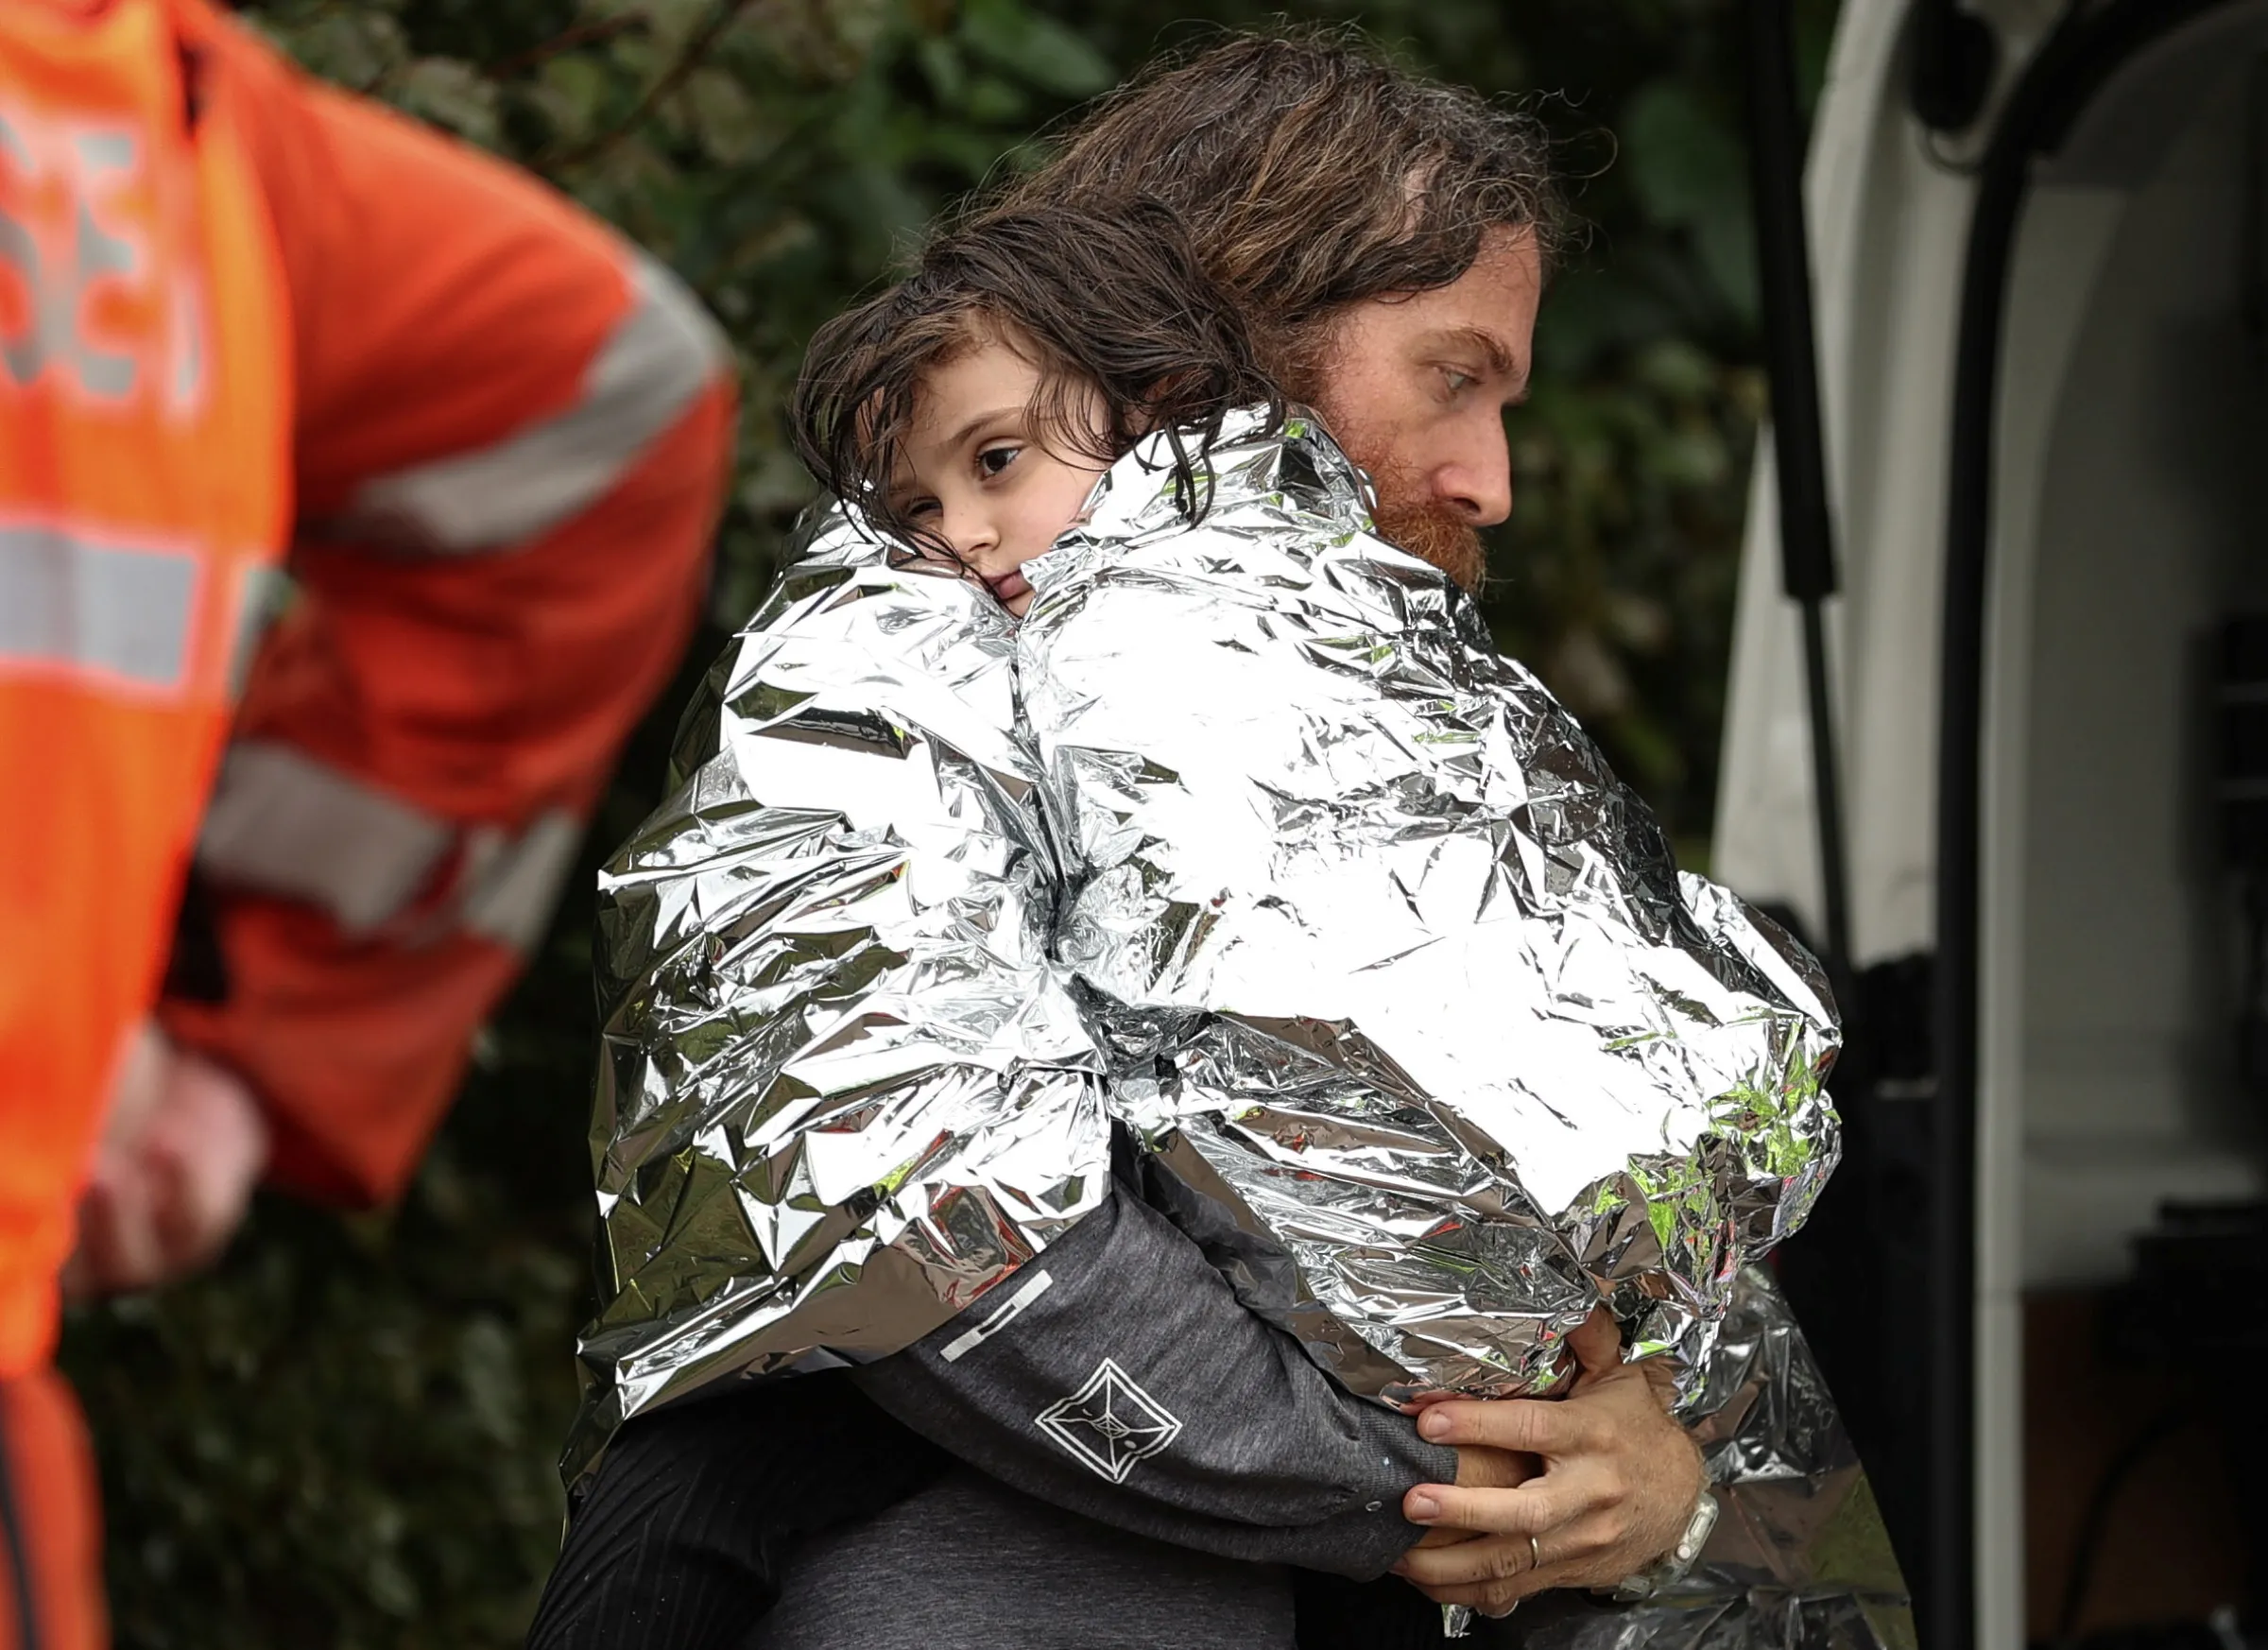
658,358
85,603
510,895
285,824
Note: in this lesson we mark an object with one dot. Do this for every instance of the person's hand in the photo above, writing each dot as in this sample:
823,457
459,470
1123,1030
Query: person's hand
1619,1484
1482,1468
1479,1467
182,1148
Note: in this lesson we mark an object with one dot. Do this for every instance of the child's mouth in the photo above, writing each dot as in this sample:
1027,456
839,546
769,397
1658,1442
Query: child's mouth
1008,587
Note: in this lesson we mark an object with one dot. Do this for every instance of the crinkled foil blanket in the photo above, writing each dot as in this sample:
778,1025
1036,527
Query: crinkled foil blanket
1245,840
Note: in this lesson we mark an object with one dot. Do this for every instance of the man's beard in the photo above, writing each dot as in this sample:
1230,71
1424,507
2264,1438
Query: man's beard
1433,533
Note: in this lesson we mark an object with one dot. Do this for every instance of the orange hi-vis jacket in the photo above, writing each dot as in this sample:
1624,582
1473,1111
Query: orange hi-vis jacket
253,327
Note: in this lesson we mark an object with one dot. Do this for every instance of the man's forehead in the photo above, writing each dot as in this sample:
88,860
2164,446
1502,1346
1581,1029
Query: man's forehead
1489,310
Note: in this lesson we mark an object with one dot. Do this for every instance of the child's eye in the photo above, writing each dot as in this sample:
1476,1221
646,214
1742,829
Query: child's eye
992,460
919,508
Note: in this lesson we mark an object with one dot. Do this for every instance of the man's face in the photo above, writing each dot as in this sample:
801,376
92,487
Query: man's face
1416,389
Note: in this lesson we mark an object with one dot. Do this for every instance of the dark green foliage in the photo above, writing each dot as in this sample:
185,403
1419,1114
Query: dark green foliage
345,1435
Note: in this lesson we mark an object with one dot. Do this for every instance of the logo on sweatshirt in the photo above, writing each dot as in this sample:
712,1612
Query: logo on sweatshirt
1110,1423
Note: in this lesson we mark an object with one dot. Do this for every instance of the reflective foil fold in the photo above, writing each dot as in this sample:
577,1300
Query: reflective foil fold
1386,961
1245,839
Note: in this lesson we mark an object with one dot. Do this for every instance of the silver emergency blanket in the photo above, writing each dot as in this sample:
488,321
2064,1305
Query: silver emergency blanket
1799,1558
841,1093
1246,840
1386,960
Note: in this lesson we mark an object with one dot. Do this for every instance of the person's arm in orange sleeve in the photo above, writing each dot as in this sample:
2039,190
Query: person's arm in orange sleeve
513,436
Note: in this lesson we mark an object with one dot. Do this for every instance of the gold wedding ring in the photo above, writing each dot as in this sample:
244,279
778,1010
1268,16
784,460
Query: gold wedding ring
1535,1555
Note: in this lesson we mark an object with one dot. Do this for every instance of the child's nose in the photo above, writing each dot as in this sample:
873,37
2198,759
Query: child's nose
969,532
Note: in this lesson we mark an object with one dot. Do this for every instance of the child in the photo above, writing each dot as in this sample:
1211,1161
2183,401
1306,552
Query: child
966,414
967,411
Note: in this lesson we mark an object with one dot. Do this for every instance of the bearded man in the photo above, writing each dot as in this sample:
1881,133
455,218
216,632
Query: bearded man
1387,238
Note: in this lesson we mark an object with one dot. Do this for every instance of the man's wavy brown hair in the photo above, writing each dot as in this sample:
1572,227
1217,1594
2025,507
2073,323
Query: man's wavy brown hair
1313,174
1111,305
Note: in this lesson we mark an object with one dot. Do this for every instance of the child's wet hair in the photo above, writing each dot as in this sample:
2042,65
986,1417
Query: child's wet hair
1110,302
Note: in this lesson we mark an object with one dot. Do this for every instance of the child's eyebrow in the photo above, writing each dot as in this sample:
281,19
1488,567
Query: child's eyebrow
980,420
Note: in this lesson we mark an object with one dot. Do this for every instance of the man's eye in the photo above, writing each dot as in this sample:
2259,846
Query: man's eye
992,460
1458,380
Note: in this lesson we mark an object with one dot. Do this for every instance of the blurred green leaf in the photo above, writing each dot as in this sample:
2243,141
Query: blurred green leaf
1681,159
355,46
1050,54
569,91
726,118
451,94
941,65
1686,162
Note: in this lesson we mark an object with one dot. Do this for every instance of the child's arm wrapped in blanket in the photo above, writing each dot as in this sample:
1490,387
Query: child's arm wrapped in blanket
840,1093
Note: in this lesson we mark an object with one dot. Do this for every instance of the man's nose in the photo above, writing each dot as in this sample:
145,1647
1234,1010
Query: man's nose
1477,483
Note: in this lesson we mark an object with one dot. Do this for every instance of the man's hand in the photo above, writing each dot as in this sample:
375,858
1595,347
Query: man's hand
182,1149
1619,1484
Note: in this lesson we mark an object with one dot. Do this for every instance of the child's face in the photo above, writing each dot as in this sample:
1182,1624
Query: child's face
975,474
